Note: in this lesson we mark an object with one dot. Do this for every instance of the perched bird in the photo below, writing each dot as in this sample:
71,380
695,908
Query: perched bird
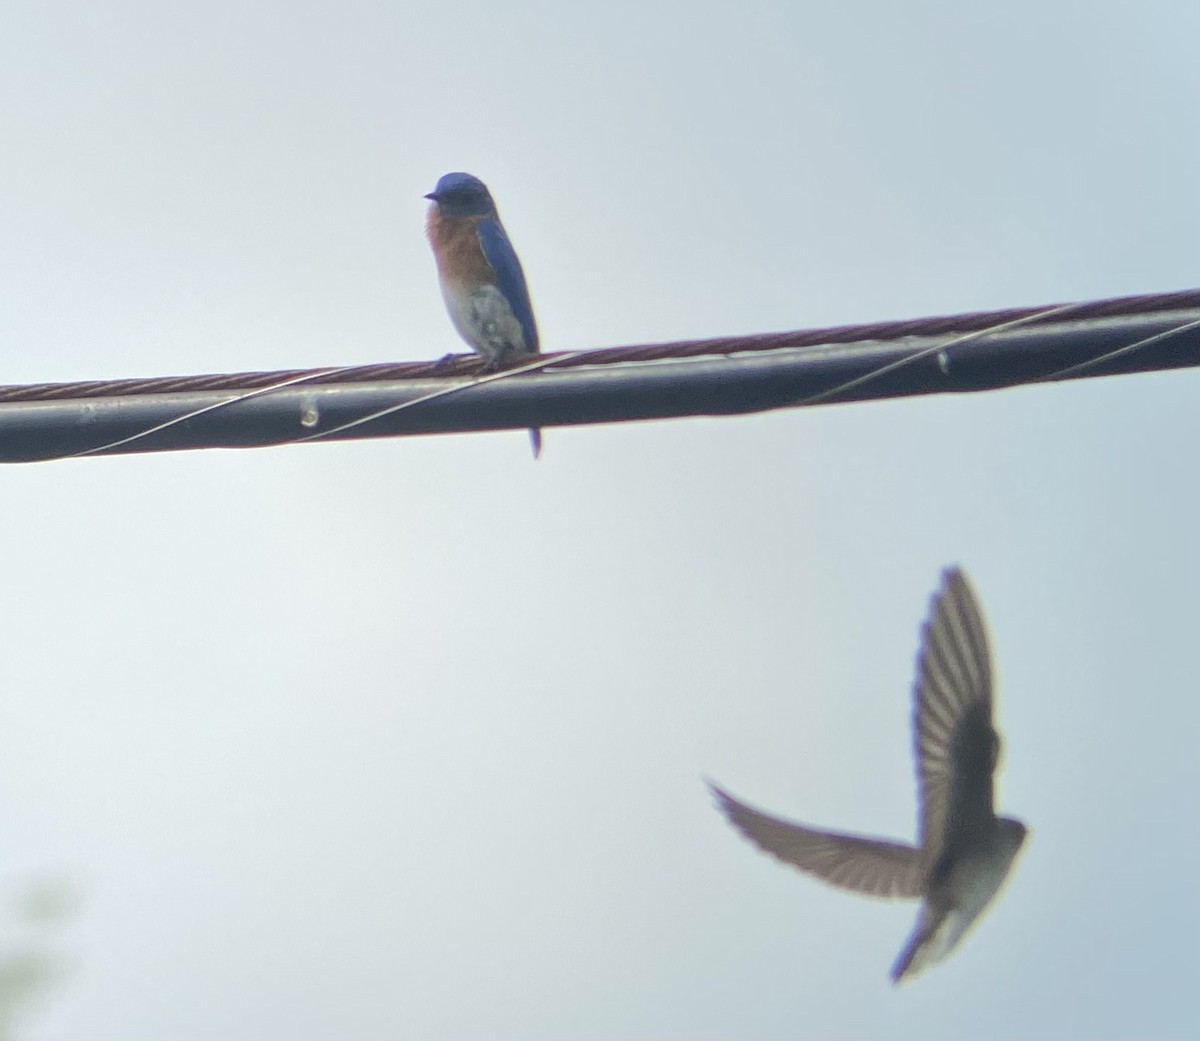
482,281
965,851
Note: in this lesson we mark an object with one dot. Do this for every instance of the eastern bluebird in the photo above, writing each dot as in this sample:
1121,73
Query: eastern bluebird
482,281
965,851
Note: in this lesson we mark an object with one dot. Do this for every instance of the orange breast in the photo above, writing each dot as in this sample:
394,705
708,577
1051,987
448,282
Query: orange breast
460,259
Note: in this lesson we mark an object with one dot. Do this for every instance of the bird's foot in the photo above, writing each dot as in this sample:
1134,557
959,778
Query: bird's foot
446,361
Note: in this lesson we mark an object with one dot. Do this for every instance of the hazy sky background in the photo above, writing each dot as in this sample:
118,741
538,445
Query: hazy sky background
406,738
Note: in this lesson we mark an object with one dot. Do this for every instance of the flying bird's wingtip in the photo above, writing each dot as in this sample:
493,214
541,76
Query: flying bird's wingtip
715,790
724,803
955,581
952,575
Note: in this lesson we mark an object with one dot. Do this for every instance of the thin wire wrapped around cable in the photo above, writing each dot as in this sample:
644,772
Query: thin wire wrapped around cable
719,376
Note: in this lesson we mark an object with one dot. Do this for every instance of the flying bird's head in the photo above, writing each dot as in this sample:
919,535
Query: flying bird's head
462,195
1012,834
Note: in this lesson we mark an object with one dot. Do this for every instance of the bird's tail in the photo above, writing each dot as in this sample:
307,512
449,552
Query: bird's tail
915,957
934,936
908,964
535,441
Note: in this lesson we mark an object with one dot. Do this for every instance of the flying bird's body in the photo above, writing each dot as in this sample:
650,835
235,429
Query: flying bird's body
957,897
482,282
965,851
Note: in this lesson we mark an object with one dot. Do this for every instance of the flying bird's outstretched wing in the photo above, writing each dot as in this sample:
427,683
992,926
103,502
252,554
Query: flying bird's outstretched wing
956,746
869,866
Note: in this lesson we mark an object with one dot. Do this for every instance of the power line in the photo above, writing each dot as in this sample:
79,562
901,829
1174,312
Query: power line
721,376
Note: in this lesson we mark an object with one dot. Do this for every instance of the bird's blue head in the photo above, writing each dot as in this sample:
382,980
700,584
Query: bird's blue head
461,195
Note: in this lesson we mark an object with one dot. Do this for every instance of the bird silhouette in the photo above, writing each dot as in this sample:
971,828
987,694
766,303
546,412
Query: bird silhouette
964,851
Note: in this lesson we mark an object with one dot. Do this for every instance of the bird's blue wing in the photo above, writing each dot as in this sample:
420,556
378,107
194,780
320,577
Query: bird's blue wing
510,279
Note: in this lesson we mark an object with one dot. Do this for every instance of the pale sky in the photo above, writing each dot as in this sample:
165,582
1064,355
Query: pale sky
407,738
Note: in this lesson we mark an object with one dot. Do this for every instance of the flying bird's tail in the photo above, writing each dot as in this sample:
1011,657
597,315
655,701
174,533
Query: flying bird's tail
915,956
935,935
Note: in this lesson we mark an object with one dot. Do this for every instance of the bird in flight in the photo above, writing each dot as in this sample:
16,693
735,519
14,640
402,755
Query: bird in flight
964,851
